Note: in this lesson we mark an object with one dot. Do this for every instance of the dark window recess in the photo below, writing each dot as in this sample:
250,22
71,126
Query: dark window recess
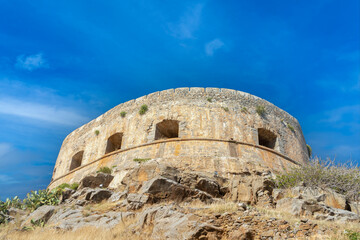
114,143
167,129
76,160
266,138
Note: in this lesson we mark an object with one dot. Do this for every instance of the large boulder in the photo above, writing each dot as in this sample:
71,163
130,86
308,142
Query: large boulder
97,180
40,215
325,196
312,208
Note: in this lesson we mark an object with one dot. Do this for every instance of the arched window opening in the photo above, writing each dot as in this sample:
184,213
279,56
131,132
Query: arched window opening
266,138
167,129
76,160
114,143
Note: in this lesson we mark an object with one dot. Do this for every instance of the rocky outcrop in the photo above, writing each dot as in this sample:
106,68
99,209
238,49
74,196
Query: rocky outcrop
96,180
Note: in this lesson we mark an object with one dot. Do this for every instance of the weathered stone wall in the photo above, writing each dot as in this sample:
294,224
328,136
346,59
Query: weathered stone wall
214,122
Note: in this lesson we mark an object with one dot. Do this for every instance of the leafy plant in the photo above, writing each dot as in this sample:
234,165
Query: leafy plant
36,199
260,109
143,109
123,114
352,235
141,160
105,170
209,99
97,132
37,223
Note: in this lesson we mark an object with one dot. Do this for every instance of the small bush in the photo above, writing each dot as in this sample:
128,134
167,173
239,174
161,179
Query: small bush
260,109
97,132
352,235
104,170
123,114
342,178
244,110
226,109
141,160
209,99
143,109
309,149
36,199
290,127
73,186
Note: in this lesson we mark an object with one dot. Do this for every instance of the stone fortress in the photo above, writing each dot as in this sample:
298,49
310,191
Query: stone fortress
218,131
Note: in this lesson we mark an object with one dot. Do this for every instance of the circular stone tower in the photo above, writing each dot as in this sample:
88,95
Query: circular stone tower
211,129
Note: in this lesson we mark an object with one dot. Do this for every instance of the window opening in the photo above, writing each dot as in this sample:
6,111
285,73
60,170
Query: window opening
76,160
114,142
167,129
266,138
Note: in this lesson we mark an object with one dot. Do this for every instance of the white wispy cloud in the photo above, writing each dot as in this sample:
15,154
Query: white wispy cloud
4,148
31,62
188,23
7,179
212,46
42,112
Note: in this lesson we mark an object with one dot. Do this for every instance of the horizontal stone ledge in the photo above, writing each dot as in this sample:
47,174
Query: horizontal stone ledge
176,140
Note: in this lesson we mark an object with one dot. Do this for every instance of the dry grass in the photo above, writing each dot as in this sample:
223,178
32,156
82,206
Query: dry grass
337,229
214,208
121,231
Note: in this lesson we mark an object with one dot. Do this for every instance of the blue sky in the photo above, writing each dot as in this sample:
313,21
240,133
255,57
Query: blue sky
63,63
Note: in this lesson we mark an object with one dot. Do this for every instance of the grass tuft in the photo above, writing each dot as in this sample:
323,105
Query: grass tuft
97,132
123,114
141,160
143,109
105,170
260,109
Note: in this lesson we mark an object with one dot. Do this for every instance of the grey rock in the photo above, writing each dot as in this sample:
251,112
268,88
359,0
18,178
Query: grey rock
94,181
99,195
209,186
43,214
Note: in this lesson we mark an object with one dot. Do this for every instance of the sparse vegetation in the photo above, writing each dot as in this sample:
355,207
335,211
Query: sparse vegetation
97,132
141,160
72,186
209,99
352,235
244,110
309,149
123,114
36,199
260,109
143,109
342,178
291,127
226,109
105,170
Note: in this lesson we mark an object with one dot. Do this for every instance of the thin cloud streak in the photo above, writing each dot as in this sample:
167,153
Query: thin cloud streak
188,23
31,62
212,46
42,112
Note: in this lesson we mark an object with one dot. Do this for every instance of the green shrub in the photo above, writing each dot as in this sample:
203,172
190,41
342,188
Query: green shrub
226,109
342,178
209,99
309,149
73,186
244,110
105,170
97,132
36,199
141,160
123,114
290,127
352,235
260,109
143,109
